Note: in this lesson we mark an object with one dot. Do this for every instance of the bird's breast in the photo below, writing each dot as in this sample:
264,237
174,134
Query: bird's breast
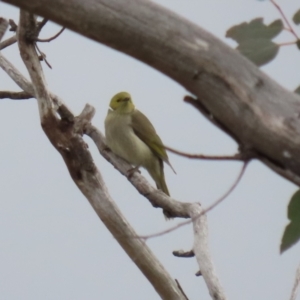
122,140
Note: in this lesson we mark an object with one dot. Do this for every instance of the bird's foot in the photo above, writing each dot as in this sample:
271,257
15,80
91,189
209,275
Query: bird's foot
131,171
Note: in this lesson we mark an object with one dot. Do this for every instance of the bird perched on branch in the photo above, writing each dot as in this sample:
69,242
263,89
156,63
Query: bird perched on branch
131,135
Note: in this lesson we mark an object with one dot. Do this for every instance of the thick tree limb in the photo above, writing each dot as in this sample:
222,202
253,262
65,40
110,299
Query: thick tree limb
257,112
65,135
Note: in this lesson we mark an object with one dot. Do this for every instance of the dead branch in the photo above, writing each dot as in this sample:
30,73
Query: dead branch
22,82
3,27
51,38
8,42
204,211
15,95
65,135
296,285
236,157
202,253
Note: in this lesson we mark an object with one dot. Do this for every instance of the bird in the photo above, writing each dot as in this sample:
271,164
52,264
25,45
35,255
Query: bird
130,135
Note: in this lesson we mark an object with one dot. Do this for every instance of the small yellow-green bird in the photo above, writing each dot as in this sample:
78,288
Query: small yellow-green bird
131,135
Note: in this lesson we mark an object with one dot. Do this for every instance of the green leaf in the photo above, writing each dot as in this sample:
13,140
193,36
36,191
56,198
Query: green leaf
255,39
296,17
275,28
297,90
291,233
254,29
259,51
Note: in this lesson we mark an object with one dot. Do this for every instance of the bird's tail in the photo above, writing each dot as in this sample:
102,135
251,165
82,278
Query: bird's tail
159,178
161,184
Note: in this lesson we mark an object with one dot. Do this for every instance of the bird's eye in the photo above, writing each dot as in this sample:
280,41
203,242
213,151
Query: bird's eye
118,100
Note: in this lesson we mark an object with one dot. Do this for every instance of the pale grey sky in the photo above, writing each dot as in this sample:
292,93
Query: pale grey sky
52,244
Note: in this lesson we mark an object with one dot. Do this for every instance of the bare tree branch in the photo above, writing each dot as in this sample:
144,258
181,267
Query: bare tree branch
3,27
21,81
51,38
65,135
181,209
82,168
202,253
174,208
10,41
204,211
15,95
42,56
15,75
30,59
296,285
235,157
179,286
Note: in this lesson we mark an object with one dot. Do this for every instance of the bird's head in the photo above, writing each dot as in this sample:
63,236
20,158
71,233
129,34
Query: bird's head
122,103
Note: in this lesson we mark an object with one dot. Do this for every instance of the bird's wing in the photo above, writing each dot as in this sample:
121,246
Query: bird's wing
143,128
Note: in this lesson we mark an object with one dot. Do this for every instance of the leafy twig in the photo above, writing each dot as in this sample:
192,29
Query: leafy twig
289,27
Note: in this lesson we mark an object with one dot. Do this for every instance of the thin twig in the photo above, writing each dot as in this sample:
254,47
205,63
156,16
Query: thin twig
290,28
287,43
10,41
213,205
51,38
15,95
296,285
237,156
42,55
181,253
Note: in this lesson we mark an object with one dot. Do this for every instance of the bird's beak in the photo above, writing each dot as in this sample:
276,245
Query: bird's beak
126,99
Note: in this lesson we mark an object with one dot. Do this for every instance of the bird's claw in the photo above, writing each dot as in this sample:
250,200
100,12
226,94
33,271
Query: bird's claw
131,171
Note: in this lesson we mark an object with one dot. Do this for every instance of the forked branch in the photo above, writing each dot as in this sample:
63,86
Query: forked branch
65,134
